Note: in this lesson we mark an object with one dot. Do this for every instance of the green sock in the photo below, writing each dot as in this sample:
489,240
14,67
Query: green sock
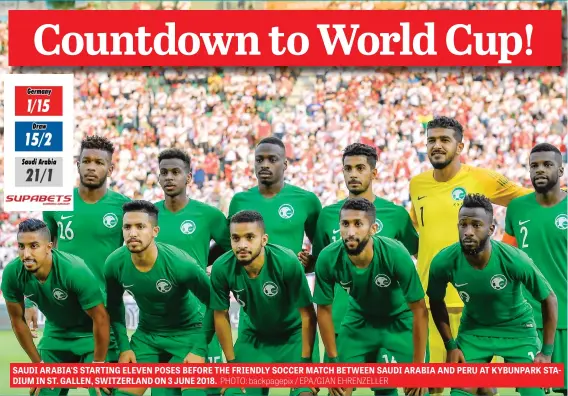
386,392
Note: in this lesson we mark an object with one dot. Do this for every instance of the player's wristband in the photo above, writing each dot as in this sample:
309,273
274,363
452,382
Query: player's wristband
306,360
451,345
334,360
547,350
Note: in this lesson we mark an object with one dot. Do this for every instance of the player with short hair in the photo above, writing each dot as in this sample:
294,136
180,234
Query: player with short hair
93,229
269,283
436,197
289,212
66,291
537,224
489,275
386,310
159,277
190,225
393,221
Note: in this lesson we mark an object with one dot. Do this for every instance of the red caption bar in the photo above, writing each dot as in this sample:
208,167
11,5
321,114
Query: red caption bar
285,38
287,375
42,101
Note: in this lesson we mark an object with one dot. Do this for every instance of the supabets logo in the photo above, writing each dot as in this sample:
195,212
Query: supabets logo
47,199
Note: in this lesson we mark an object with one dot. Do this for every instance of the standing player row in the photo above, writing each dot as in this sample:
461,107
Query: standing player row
289,212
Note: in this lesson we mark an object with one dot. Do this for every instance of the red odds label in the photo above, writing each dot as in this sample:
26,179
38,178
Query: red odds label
39,101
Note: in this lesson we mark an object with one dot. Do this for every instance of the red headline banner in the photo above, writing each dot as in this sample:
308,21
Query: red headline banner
285,38
286,375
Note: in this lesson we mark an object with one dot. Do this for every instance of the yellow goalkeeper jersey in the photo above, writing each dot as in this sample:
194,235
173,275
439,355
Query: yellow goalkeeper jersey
435,207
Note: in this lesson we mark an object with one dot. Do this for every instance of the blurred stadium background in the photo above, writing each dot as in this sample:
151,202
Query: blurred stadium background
218,115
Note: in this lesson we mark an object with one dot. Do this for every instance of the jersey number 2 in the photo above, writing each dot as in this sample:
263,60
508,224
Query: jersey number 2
525,232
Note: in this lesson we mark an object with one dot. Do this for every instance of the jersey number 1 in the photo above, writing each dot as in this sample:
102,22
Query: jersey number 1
422,215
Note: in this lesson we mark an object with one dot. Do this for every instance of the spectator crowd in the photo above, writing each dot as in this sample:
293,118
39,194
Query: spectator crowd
218,115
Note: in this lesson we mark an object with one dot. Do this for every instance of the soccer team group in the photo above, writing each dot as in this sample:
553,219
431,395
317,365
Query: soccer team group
470,297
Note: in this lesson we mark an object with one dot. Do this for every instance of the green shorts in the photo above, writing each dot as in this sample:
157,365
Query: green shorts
166,348
254,349
360,341
61,350
559,355
481,349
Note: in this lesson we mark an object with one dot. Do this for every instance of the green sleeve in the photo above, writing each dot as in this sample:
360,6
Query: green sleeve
10,290
407,233
509,222
313,215
220,230
405,272
219,288
525,271
51,224
233,206
195,279
438,277
296,278
321,239
325,282
84,284
115,304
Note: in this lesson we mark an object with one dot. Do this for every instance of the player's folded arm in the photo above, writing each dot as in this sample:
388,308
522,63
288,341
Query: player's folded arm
115,304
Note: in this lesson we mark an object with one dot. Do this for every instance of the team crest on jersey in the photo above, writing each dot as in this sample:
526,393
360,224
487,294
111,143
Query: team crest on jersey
163,285
270,289
286,211
458,194
382,280
110,220
498,282
464,296
188,227
379,225
59,294
561,222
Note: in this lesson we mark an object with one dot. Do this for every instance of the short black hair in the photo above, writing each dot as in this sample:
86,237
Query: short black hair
272,140
248,216
142,206
97,143
473,201
174,153
547,148
362,205
447,123
365,150
34,225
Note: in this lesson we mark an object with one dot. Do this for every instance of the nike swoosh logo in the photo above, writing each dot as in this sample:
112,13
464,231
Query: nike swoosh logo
345,283
127,286
28,296
66,217
523,222
238,291
463,284
336,231
419,198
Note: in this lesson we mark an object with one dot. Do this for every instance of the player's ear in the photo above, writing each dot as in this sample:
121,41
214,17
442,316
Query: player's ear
110,170
491,229
560,171
285,163
374,173
155,231
460,148
374,228
188,179
264,239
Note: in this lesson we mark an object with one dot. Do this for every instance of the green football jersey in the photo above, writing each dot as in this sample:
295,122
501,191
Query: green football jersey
379,293
542,233
271,300
90,231
164,294
393,221
69,290
287,215
494,304
192,229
